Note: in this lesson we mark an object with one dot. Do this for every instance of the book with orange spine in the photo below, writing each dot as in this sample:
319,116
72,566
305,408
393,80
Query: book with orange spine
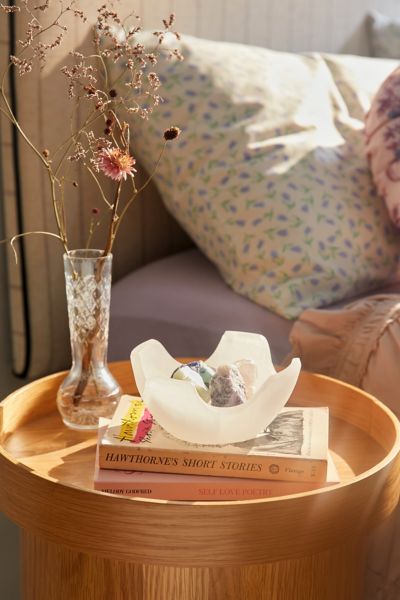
294,447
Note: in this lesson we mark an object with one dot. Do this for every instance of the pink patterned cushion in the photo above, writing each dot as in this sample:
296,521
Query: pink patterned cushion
382,129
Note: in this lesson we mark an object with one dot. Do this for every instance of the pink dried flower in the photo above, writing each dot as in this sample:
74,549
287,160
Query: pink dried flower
115,163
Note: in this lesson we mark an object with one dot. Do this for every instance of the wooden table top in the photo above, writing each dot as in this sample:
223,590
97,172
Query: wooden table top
46,486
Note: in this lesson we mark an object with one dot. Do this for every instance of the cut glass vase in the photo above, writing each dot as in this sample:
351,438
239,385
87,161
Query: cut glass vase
89,391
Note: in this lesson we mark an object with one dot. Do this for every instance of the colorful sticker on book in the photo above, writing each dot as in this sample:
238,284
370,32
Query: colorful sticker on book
136,423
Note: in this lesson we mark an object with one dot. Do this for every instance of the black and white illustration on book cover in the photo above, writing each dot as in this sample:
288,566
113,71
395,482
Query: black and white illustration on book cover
299,432
285,435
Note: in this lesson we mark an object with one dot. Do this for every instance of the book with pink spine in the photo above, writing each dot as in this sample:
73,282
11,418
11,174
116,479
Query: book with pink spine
172,486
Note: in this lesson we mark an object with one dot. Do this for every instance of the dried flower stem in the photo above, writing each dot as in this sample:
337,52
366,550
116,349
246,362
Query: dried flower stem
103,197
93,226
10,115
62,232
62,213
72,140
46,163
112,230
20,235
137,192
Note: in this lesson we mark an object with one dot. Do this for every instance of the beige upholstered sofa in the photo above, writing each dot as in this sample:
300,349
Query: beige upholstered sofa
35,286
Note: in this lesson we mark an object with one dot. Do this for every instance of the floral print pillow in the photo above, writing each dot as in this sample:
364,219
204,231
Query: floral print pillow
382,130
269,176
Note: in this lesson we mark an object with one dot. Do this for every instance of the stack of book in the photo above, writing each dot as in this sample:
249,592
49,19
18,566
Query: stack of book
136,457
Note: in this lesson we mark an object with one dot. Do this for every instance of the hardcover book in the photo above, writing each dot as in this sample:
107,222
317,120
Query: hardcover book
294,447
170,486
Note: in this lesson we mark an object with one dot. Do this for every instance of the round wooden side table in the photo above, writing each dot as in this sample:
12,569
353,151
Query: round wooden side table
79,544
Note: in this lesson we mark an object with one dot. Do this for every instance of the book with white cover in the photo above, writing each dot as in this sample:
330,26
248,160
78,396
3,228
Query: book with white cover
294,447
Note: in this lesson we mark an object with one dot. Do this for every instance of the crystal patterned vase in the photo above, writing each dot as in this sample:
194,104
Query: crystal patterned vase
89,391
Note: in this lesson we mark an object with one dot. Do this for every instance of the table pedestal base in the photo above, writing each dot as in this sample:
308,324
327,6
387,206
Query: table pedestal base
54,572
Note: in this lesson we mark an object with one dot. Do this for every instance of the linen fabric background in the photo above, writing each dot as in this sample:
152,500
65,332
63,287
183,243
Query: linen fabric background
269,176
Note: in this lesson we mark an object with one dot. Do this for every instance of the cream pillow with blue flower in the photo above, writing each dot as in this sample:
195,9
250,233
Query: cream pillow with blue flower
269,176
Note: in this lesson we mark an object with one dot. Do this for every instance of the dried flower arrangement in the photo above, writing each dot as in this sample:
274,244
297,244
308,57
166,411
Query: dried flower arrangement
99,139
90,89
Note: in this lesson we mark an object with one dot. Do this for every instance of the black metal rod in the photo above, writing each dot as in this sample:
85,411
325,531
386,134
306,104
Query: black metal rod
18,199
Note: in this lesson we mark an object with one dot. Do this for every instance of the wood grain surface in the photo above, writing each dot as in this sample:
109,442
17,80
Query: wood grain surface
314,538
53,572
